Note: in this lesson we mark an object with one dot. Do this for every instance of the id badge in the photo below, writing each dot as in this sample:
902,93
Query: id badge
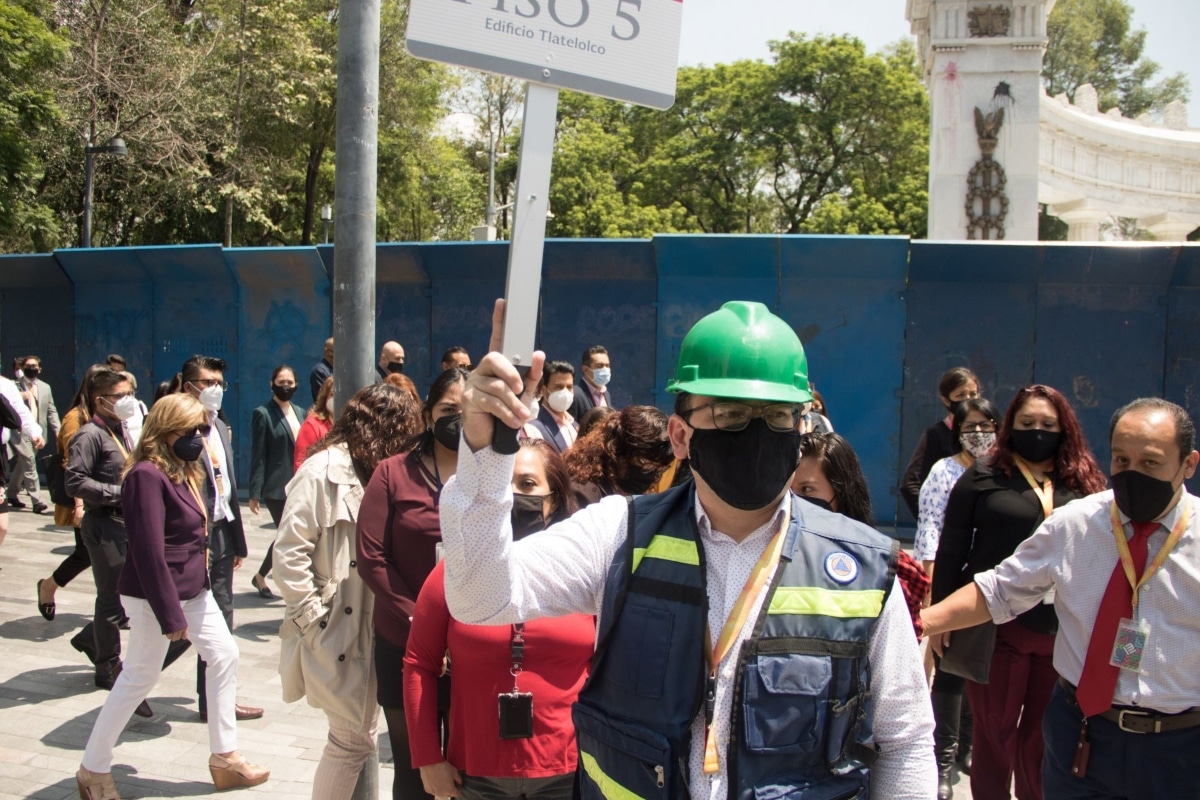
1130,647
516,715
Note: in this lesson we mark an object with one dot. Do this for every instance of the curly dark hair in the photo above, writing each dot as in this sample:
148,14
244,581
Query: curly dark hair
557,476
375,424
618,443
1074,465
842,469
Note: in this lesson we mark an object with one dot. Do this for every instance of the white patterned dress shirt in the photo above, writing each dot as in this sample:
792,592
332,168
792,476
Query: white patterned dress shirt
935,494
491,581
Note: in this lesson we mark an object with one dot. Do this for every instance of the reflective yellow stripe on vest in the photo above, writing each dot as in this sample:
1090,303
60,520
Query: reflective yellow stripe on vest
608,787
668,548
815,601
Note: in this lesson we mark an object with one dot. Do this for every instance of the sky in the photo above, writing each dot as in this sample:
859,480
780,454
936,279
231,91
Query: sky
717,31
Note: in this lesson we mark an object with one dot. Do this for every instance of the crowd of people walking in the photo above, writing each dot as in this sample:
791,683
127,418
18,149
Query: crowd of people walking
634,604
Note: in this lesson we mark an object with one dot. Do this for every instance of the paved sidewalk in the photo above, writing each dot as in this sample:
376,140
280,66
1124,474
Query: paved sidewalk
48,701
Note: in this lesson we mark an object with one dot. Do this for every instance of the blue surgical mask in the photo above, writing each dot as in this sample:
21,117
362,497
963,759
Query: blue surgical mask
601,376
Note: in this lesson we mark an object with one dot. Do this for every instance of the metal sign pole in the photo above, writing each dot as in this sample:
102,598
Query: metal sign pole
524,283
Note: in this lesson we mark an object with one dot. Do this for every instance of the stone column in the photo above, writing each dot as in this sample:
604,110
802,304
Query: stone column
985,55
1171,227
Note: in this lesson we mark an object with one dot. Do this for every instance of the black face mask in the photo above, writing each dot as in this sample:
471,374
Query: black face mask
189,448
446,430
527,516
283,392
1141,497
395,367
817,501
31,372
748,469
1036,445
637,481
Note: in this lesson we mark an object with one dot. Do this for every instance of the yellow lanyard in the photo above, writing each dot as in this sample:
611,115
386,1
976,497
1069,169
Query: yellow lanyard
1161,558
733,626
1045,493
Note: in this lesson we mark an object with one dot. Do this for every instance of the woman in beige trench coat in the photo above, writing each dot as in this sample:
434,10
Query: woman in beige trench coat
326,646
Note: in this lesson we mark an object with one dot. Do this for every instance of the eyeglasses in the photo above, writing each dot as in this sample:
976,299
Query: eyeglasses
207,383
202,430
979,427
727,416
119,396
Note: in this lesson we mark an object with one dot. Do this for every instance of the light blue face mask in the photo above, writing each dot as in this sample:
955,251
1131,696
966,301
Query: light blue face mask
601,376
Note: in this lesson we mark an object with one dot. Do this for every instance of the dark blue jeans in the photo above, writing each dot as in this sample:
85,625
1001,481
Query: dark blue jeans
1122,766
559,787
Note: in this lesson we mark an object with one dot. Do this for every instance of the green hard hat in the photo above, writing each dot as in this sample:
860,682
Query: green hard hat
745,352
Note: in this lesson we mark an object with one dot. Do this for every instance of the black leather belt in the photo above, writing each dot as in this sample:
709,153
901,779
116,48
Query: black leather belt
1137,720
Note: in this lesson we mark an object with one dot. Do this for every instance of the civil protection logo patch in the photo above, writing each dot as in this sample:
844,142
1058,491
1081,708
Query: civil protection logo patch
841,567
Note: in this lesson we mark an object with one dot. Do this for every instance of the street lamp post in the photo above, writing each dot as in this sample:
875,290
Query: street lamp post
326,217
115,147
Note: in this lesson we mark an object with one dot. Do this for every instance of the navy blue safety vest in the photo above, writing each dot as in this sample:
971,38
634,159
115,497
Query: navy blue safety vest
802,709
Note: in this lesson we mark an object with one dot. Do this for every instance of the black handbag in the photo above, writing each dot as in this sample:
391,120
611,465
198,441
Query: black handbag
56,479
969,654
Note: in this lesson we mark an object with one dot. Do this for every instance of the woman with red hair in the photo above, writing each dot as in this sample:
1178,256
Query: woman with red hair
1042,461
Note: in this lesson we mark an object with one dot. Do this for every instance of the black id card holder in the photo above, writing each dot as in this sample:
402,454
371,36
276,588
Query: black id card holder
516,707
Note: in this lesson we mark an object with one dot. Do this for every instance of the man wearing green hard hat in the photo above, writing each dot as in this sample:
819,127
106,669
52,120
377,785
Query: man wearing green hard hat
750,646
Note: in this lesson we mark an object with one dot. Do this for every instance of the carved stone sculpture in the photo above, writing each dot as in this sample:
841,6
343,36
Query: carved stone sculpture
988,20
987,204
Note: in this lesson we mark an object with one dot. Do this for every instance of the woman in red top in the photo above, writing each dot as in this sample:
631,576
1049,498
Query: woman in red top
398,536
317,424
557,652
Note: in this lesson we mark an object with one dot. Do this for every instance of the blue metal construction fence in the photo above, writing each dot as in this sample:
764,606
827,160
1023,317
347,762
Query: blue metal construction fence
880,317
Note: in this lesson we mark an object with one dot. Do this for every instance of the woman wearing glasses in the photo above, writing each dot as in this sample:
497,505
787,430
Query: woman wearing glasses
165,590
1041,461
974,427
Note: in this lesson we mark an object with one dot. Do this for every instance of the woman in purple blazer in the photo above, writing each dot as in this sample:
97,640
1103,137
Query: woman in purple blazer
165,591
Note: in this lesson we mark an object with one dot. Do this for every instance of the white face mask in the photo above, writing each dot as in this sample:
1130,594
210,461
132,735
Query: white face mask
601,376
561,400
125,408
211,398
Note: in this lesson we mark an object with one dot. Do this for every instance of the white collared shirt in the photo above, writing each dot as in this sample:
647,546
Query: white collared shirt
1074,553
222,509
490,580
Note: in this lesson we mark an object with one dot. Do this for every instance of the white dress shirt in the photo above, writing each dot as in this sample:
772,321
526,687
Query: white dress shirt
491,581
935,494
29,425
222,509
1073,553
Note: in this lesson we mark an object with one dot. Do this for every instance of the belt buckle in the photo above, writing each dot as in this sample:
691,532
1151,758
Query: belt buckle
1121,721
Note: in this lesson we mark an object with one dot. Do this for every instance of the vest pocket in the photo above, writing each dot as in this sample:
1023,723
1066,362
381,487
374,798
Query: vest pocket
804,789
636,661
784,702
619,761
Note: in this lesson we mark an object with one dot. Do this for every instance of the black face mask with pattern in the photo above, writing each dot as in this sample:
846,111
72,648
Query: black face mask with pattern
446,430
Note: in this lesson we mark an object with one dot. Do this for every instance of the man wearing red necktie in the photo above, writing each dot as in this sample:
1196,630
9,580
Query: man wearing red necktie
1124,569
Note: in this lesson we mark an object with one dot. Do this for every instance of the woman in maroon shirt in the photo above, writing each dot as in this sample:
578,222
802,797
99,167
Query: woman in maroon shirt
399,532
480,760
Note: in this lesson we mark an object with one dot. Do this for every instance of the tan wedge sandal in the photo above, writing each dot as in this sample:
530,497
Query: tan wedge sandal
96,785
231,773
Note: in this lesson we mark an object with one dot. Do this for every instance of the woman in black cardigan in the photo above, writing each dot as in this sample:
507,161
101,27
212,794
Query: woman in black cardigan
1042,462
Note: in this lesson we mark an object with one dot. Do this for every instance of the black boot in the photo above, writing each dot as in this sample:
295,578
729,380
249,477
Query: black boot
966,728
946,708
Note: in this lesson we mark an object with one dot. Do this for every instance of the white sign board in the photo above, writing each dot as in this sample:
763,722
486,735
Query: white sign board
623,49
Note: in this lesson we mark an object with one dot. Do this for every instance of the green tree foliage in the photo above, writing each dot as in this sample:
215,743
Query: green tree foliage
825,139
30,52
1092,41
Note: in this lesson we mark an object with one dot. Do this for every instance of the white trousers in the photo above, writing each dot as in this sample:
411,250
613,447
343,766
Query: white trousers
143,666
348,749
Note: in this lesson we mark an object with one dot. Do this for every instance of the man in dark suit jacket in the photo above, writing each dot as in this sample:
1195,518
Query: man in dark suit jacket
322,370
592,391
204,378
